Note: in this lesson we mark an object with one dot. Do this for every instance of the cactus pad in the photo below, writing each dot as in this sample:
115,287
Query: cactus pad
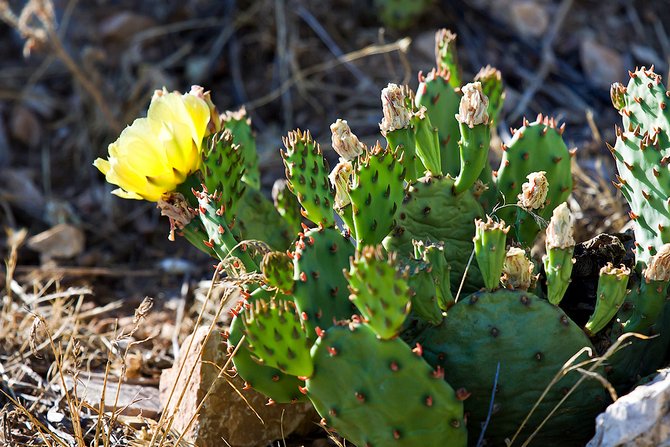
379,291
432,212
307,175
379,393
531,339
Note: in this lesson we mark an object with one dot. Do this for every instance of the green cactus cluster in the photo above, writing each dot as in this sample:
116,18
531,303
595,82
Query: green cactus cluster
393,294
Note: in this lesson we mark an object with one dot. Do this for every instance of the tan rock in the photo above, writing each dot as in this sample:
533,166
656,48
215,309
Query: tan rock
601,64
530,18
224,415
132,399
61,241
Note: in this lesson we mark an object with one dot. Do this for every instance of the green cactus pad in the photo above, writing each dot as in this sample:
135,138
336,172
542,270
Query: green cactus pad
379,291
376,192
223,168
609,297
441,103
558,270
535,147
278,386
425,295
531,340
277,269
402,141
239,124
490,242
648,301
320,289
642,154
276,337
432,212
286,204
432,254
253,214
307,174
221,239
427,142
379,393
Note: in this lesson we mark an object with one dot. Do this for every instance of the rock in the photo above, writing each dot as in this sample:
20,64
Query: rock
25,126
61,241
602,65
133,400
124,25
530,18
638,419
224,415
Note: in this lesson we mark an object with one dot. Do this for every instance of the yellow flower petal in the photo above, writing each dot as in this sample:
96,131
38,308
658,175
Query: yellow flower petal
154,155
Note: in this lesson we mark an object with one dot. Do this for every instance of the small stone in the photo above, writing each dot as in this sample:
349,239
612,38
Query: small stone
225,415
602,65
530,18
133,400
25,127
62,241
124,25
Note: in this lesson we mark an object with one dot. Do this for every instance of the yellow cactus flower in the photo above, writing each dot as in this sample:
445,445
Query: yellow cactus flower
155,154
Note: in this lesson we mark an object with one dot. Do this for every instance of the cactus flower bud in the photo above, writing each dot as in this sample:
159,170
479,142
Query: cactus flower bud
517,270
534,191
560,229
340,178
659,265
345,143
473,108
617,94
396,113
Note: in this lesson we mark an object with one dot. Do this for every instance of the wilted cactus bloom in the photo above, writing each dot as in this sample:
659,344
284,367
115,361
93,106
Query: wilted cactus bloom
560,228
174,206
345,143
517,270
659,265
155,154
534,191
340,178
472,109
396,114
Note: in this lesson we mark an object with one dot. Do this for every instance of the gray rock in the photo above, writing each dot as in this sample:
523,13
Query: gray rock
638,419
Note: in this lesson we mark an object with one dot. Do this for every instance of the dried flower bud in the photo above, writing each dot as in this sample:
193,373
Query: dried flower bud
340,178
345,143
534,191
659,265
174,206
472,109
617,94
396,113
560,229
619,272
517,270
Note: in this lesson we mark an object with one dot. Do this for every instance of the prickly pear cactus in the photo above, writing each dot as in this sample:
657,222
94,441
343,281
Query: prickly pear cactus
278,386
502,328
432,212
414,407
320,289
535,147
642,154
